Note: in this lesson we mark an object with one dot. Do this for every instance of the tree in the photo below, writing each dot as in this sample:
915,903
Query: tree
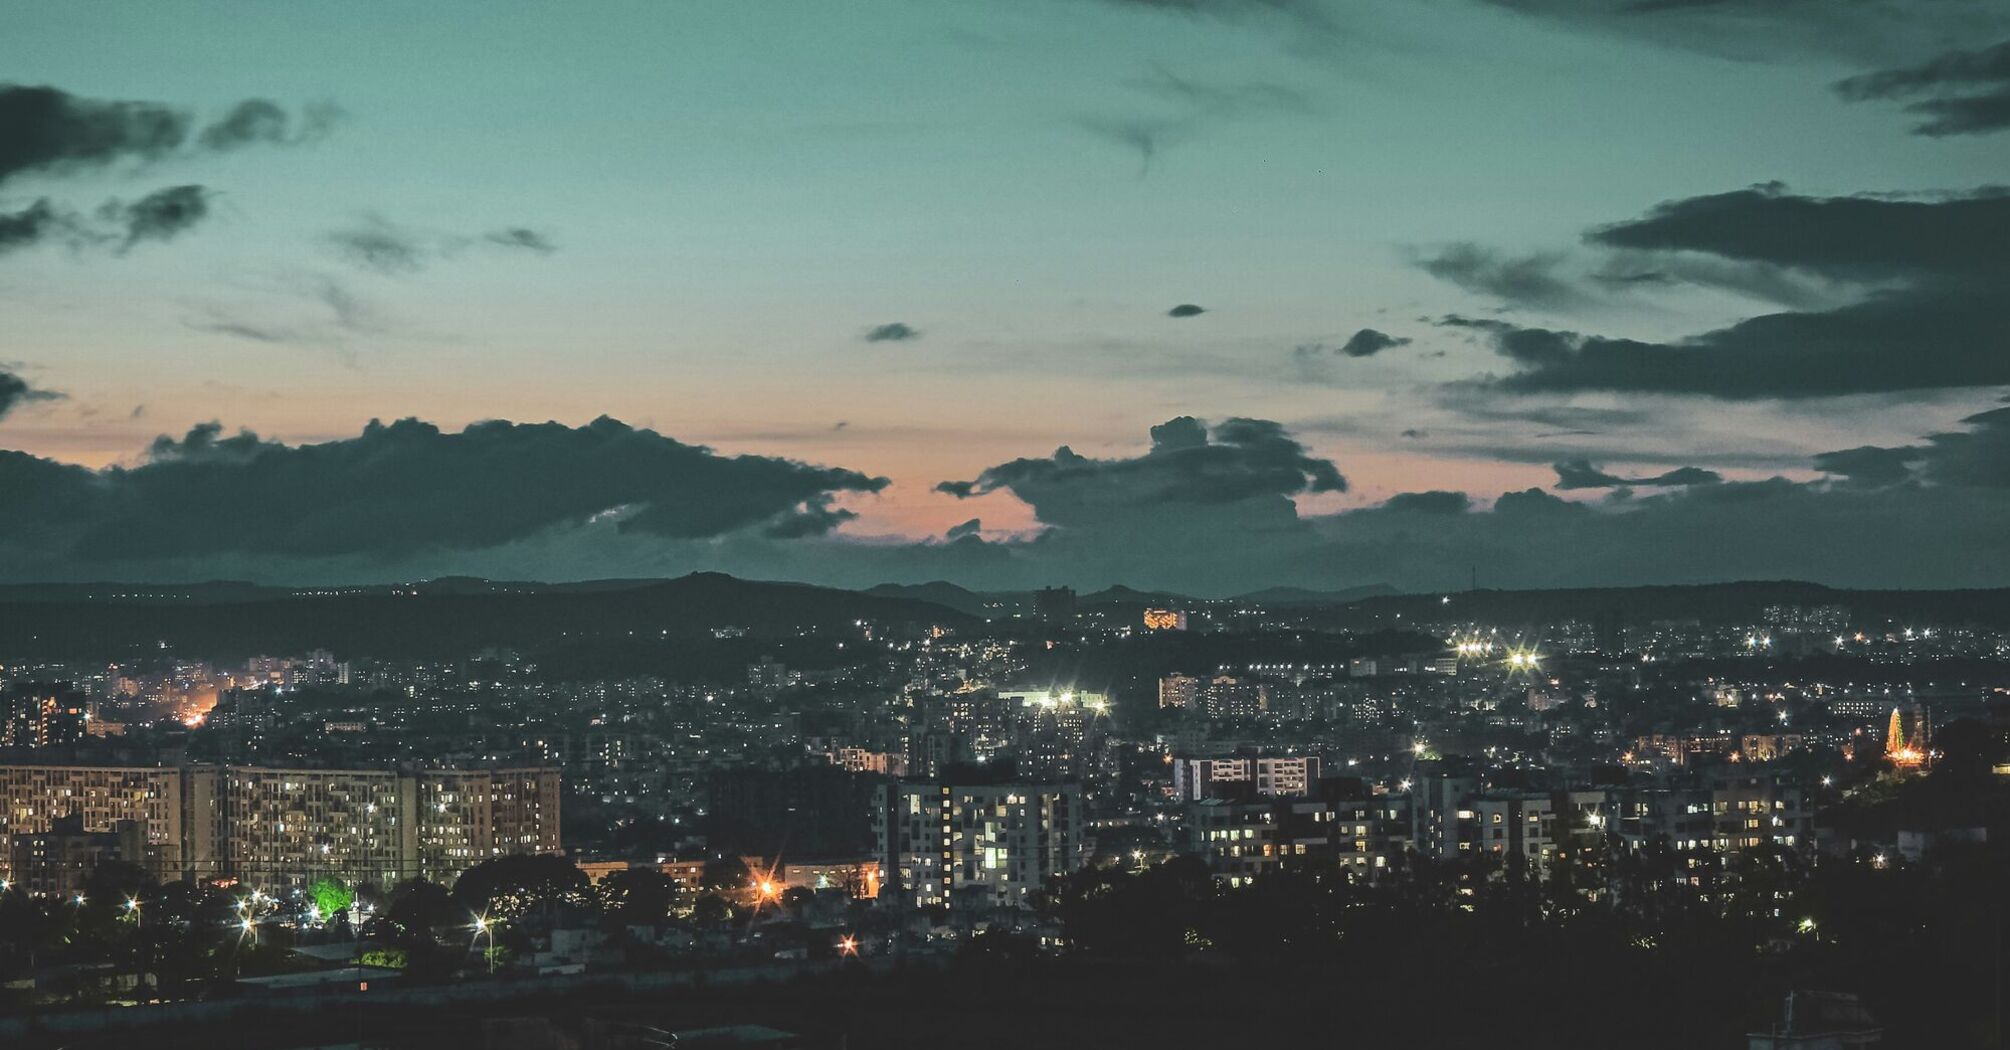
331,897
638,895
417,908
725,875
711,911
508,887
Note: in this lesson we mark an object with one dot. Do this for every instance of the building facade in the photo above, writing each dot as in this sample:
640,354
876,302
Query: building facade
998,841
282,828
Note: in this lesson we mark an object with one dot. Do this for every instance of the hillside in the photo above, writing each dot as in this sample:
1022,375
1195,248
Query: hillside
442,621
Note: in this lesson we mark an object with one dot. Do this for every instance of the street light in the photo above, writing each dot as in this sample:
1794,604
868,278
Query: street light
484,926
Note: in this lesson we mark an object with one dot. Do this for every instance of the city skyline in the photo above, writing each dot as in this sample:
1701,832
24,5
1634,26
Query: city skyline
1212,295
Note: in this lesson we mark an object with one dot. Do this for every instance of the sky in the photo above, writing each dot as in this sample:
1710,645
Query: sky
1211,295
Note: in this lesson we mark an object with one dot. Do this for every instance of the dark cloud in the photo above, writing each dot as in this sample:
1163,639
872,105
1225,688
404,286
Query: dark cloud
43,129
49,131
1869,464
1432,502
1928,273
1186,310
34,224
1124,521
521,237
16,391
1248,466
1978,456
1368,342
892,332
1778,30
1957,93
379,245
1581,474
161,215
972,527
1207,509
1862,238
1523,280
404,489
258,121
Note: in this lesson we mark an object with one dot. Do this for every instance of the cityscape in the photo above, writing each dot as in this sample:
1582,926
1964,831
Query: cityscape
1074,778
1006,525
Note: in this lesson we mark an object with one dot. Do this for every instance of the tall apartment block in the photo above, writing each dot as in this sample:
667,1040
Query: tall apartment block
994,842
281,828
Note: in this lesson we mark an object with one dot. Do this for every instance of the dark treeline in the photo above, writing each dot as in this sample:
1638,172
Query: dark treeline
1607,948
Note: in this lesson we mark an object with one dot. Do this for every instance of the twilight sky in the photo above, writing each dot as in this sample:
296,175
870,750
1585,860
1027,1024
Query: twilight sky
1567,291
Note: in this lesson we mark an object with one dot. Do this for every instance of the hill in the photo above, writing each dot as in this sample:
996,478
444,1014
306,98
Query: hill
433,621
1744,602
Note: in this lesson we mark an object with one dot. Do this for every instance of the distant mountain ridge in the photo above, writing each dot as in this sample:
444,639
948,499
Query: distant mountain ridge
453,617
459,615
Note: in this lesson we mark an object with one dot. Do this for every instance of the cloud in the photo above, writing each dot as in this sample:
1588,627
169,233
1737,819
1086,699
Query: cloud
1779,30
161,215
336,313
1252,464
1523,280
1869,464
1226,100
1368,342
1304,14
34,224
258,121
1192,104
402,489
16,391
1146,137
1432,502
521,237
1927,274
1131,520
1207,509
381,246
1580,474
1958,93
1185,310
892,332
377,244
1978,456
47,131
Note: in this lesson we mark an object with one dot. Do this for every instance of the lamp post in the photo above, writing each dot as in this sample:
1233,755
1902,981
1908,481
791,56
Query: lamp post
484,926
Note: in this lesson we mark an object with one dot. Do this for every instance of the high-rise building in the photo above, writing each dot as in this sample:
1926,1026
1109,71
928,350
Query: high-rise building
57,862
1226,696
281,828
998,841
1198,778
1179,690
43,714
